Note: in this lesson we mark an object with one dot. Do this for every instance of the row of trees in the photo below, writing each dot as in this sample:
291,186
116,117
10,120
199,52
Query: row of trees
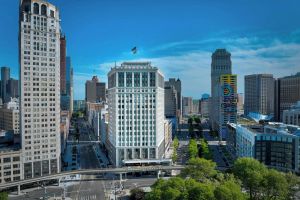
175,148
193,149
248,179
204,150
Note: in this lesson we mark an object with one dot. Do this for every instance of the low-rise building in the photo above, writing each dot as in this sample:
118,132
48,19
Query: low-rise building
274,144
292,116
10,164
9,116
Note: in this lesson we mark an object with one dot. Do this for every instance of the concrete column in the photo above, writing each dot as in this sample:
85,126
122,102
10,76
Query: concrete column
19,189
120,177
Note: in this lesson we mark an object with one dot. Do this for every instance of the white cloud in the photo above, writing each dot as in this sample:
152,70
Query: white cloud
249,56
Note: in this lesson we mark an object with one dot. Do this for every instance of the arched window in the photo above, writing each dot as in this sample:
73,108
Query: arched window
36,8
44,10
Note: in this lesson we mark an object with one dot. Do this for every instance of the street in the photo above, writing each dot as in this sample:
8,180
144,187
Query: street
87,187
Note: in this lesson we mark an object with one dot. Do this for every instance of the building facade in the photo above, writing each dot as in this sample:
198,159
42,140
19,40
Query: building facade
274,144
196,109
39,51
10,164
287,94
63,52
9,116
292,116
176,83
205,106
136,113
259,94
187,106
170,101
228,103
220,65
95,91
5,76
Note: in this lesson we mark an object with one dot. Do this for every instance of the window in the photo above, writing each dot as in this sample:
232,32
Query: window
36,8
51,13
44,10
136,79
128,79
145,79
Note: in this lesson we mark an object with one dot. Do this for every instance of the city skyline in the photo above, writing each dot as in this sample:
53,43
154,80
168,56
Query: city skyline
184,51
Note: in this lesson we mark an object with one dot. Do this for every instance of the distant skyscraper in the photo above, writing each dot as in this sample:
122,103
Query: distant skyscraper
170,101
5,76
136,114
63,88
287,94
205,106
12,88
196,107
187,106
228,103
220,65
95,91
259,94
39,50
177,85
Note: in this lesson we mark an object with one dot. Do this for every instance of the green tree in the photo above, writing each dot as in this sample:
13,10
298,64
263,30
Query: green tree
201,191
293,183
229,190
175,143
193,149
174,189
137,194
3,196
205,153
251,173
275,185
200,169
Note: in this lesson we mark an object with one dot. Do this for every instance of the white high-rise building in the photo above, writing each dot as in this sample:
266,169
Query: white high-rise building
39,51
136,114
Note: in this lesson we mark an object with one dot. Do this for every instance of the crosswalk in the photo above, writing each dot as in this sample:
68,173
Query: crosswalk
86,197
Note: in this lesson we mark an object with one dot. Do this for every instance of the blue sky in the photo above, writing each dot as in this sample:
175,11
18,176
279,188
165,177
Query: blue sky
177,36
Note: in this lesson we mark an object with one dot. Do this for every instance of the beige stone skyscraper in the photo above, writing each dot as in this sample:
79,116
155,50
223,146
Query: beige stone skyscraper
39,51
220,65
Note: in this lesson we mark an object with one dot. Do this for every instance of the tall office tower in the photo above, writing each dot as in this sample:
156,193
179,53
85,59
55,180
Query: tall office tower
12,88
228,104
220,65
39,51
136,113
69,81
259,94
187,106
170,101
5,76
287,94
63,65
95,91
177,85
